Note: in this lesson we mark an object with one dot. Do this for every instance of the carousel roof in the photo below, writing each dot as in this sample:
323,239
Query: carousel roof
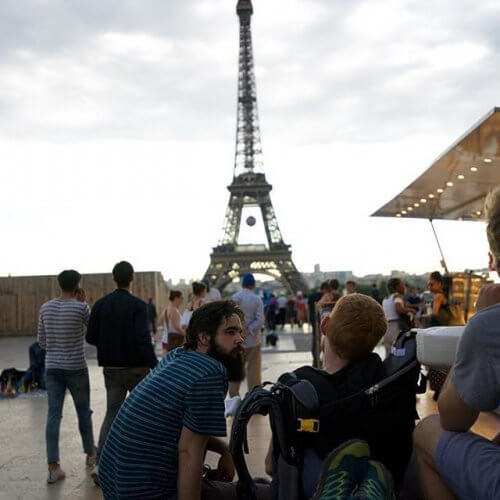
455,185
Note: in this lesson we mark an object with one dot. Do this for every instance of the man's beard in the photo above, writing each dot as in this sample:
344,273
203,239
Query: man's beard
234,361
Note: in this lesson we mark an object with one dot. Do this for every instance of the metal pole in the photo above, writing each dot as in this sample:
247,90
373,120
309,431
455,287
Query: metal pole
443,261
467,293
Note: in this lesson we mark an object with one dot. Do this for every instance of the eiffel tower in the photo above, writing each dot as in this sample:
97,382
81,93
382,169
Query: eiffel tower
250,189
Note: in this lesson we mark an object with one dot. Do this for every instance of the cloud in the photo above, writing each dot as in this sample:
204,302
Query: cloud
164,69
133,104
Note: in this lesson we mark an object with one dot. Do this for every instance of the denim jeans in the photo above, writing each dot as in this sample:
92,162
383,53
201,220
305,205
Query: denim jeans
77,381
118,382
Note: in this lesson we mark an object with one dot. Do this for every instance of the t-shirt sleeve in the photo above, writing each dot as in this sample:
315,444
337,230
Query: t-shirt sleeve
42,338
205,406
475,376
85,314
399,300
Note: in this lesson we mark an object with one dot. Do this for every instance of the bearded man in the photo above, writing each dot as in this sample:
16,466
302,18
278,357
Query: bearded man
157,443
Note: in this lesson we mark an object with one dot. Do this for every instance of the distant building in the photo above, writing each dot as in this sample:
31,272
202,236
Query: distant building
317,277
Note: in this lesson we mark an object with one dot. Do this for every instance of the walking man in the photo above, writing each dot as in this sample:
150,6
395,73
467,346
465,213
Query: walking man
118,327
253,309
61,332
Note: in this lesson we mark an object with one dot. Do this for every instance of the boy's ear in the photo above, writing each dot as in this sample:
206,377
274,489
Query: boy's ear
492,264
324,324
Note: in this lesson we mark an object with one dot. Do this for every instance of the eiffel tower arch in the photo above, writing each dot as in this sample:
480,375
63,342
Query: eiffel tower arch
250,188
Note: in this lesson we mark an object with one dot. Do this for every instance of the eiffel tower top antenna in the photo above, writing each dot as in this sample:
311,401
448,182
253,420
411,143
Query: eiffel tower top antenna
248,155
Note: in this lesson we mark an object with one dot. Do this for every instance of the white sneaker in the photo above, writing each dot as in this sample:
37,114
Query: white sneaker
55,475
231,406
95,475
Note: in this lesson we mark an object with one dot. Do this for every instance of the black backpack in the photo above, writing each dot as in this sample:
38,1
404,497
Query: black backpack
294,411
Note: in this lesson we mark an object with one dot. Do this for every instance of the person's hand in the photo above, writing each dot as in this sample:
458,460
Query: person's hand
488,296
225,468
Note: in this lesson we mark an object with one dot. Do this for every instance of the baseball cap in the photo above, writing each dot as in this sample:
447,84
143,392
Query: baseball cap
248,279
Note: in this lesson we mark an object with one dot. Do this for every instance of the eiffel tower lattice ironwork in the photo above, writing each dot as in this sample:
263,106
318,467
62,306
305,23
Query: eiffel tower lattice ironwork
250,189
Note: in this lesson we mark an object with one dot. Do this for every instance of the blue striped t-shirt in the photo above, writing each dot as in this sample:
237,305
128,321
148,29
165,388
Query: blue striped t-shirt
61,332
140,457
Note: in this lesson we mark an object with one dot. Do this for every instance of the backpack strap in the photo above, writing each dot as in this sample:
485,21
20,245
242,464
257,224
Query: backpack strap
258,400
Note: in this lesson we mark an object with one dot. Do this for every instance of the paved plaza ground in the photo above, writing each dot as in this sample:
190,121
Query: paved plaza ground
22,426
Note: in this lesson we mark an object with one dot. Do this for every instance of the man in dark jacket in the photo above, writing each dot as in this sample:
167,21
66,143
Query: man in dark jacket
118,327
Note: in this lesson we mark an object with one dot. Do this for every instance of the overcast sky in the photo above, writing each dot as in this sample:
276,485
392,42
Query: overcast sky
117,128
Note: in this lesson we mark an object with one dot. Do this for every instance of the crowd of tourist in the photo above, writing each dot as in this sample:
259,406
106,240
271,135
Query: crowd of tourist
163,415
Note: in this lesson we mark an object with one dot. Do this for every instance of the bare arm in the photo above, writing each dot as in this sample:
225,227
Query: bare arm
436,305
454,414
225,467
326,299
175,319
191,451
400,306
401,309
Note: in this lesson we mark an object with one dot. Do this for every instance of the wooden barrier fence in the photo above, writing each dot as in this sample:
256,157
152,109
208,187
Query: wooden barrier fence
22,296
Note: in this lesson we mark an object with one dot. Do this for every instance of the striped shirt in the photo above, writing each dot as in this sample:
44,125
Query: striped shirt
140,457
61,332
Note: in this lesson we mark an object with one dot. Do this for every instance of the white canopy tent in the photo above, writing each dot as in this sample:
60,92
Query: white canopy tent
455,185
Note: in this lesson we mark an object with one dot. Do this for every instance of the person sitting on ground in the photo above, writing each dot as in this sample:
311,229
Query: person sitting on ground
454,462
353,329
157,443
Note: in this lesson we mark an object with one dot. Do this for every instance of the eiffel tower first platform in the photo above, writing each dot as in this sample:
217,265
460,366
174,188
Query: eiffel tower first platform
249,188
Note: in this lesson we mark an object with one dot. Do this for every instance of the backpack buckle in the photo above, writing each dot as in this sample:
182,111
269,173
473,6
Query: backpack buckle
307,425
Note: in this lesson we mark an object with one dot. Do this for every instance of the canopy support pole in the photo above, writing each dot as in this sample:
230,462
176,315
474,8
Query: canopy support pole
443,260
